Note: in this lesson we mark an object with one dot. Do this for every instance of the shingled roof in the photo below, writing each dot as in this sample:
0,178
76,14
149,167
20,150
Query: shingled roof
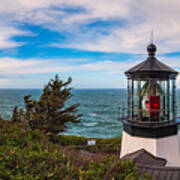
151,66
144,157
160,172
154,166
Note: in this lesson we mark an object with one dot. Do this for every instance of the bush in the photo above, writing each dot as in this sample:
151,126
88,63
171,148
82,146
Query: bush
111,145
27,154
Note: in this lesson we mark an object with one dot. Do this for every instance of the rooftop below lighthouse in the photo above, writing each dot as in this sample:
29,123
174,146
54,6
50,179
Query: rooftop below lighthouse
154,166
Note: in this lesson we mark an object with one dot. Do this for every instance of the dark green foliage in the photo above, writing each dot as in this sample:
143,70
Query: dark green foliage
50,113
111,169
70,140
27,154
80,143
15,114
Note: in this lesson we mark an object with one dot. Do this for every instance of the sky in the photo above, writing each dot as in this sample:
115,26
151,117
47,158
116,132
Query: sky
93,41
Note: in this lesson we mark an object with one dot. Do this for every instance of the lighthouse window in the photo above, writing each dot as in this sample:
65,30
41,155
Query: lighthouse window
151,100
151,93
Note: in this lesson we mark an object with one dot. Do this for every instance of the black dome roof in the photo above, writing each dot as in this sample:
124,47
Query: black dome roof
151,67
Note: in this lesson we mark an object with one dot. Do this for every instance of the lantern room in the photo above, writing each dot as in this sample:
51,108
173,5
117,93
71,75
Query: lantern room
151,91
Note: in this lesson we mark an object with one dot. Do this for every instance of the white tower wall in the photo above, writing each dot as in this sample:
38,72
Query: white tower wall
167,147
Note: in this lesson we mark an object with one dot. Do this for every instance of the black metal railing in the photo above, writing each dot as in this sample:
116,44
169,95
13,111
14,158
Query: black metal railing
123,115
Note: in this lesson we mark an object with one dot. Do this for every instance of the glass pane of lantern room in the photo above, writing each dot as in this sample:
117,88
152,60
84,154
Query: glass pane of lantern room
139,107
172,99
178,103
156,100
143,109
135,100
151,93
164,97
130,99
161,84
166,100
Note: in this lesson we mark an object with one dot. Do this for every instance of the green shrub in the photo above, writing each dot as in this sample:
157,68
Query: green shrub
70,140
27,154
80,143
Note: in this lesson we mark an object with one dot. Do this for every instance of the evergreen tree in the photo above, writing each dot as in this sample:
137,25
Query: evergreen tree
15,114
50,113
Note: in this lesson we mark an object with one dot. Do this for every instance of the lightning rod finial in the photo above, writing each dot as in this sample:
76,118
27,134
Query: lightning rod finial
152,36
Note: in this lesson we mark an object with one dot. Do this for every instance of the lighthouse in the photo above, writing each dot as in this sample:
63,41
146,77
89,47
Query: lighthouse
151,122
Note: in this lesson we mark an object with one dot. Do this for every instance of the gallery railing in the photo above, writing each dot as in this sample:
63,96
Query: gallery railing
137,120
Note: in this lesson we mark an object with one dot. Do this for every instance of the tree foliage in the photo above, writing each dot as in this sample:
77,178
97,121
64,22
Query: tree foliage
50,113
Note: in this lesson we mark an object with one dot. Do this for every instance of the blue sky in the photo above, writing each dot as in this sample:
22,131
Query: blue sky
94,42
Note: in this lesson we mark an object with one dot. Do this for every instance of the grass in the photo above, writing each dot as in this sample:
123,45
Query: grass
81,143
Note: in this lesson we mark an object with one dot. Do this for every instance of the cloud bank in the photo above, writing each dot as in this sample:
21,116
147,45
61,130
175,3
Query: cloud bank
107,26
128,31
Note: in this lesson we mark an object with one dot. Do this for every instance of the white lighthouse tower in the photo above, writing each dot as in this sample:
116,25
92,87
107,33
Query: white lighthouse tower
151,123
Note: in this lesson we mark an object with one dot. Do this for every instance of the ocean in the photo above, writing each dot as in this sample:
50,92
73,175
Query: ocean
99,107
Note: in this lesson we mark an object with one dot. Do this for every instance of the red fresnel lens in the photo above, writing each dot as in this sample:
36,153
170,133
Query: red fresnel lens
153,104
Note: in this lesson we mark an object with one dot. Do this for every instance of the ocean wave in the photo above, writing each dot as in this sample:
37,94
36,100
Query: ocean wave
92,114
104,105
90,124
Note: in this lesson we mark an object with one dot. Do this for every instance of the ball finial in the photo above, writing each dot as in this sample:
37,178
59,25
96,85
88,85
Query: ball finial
151,49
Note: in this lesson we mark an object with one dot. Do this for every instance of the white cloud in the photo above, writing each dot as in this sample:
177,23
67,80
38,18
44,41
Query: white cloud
106,66
51,14
137,19
36,72
13,66
129,31
7,32
18,6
